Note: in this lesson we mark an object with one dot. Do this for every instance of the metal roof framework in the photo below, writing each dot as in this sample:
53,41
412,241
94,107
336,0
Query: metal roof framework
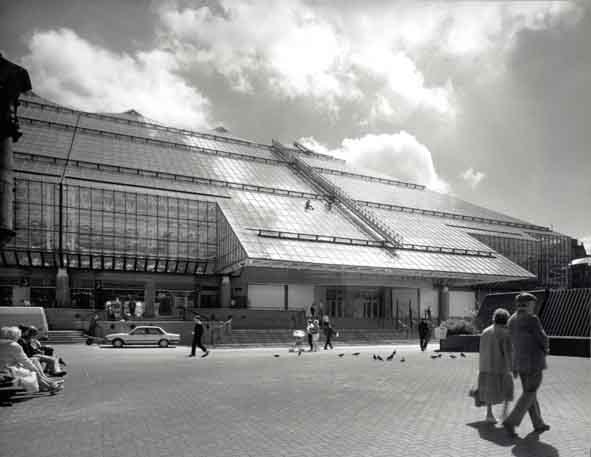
267,233
32,258
442,277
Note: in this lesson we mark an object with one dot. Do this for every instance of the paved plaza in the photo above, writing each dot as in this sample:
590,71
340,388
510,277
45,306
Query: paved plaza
150,402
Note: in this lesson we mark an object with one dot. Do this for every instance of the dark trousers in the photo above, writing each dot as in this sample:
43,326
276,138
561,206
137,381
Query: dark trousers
528,402
310,341
424,341
328,343
197,343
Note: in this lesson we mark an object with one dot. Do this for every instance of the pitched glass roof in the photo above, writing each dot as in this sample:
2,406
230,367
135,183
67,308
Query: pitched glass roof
247,211
413,198
417,229
134,183
113,151
376,258
42,140
55,142
116,123
341,165
255,210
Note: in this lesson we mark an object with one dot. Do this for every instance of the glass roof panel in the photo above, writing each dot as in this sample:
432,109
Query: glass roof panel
34,112
417,229
369,257
119,152
256,210
43,140
146,131
426,199
135,183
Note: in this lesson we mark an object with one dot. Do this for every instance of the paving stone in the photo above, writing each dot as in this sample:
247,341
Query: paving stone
157,402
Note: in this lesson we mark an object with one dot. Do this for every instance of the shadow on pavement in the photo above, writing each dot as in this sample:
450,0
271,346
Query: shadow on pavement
491,433
531,446
22,397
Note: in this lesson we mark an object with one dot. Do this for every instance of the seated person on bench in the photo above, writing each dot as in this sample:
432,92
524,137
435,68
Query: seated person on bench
13,356
35,351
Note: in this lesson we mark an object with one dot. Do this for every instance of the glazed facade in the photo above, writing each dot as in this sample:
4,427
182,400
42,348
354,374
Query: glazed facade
122,207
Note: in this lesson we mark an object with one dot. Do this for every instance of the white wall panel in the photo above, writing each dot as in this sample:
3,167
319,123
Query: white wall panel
461,304
265,296
300,296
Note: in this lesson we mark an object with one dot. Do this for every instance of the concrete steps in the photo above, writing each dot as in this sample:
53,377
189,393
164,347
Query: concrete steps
65,337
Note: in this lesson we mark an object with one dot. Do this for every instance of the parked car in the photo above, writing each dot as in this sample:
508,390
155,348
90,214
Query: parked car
144,335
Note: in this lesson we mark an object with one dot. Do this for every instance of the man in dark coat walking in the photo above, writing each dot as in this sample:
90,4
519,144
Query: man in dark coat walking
197,335
424,334
530,346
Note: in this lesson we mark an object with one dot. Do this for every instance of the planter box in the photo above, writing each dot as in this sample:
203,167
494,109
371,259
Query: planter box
559,345
460,343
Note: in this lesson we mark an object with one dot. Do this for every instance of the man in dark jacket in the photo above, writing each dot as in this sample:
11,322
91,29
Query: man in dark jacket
530,346
424,331
197,335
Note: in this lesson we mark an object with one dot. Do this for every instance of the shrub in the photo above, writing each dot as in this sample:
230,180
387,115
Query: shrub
459,327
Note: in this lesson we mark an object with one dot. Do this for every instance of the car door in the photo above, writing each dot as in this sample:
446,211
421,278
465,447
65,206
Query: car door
137,336
155,335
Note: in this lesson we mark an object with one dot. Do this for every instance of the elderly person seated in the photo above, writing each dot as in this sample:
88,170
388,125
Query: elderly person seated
35,351
14,358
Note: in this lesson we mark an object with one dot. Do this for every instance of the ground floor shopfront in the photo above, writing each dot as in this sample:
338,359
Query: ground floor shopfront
352,299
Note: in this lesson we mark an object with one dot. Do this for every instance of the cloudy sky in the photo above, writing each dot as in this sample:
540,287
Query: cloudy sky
488,101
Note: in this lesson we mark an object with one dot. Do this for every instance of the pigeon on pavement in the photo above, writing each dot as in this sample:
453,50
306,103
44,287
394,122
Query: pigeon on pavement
434,356
356,353
453,356
402,359
462,354
379,358
341,355
391,356
374,357
275,355
439,356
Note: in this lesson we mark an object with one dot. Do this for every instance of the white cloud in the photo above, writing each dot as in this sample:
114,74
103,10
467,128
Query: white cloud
336,55
69,70
302,52
472,177
398,155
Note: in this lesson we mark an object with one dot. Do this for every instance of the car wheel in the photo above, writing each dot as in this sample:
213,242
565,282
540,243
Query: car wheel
163,343
118,343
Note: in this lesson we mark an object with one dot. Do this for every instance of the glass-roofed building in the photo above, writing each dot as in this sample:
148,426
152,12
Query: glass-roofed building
110,206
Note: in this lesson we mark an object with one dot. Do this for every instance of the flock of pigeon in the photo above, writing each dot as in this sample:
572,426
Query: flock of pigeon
390,357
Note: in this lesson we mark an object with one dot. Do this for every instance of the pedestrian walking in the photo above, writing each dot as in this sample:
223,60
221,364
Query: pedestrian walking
530,346
315,334
495,384
197,335
328,333
424,334
309,327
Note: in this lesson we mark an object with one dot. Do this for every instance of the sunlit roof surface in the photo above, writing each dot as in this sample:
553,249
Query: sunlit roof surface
255,210
426,199
116,123
416,229
247,211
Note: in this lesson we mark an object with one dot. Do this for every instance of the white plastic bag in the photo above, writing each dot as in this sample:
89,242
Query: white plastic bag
25,379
